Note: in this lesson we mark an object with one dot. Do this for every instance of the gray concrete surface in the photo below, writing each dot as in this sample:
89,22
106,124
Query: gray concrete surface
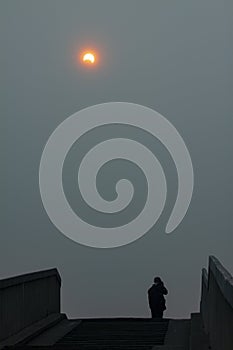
217,305
33,331
168,347
27,299
53,334
204,298
198,337
178,334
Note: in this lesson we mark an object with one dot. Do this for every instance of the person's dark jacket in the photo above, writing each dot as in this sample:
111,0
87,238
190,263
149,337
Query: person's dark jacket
156,296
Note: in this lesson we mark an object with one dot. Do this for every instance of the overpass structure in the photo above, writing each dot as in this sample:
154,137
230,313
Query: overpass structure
30,318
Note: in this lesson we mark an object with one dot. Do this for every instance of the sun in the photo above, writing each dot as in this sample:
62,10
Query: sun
89,58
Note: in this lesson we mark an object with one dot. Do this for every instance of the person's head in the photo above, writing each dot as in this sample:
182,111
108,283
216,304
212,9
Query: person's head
157,280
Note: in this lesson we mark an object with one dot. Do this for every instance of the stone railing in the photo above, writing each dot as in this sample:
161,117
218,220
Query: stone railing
217,305
27,299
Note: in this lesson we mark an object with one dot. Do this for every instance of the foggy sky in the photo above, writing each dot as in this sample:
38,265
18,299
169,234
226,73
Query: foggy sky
173,56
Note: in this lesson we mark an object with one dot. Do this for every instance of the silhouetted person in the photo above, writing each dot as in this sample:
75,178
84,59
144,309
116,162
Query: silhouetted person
156,298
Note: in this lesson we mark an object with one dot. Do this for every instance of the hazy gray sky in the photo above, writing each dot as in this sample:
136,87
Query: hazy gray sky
173,56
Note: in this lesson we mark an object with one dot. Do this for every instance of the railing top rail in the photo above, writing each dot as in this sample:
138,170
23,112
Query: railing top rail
223,278
28,277
205,277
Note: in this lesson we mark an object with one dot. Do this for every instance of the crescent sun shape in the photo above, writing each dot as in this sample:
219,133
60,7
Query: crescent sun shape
89,57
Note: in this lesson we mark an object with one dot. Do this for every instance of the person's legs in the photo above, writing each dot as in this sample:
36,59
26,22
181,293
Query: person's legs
160,314
155,313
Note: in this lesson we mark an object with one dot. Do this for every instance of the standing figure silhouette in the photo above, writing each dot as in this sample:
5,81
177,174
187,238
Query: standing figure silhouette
156,298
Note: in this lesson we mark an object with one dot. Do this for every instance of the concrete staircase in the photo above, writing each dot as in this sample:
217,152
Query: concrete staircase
116,334
93,334
30,318
122,334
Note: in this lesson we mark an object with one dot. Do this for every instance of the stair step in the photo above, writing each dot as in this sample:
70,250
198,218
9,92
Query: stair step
168,347
116,334
110,334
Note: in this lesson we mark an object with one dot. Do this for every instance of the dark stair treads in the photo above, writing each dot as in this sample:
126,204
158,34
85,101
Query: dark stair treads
110,334
116,334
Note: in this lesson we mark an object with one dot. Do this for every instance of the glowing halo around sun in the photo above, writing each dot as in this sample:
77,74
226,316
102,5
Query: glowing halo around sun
88,58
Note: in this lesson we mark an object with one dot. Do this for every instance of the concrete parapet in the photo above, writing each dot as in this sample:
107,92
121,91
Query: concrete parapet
27,299
217,305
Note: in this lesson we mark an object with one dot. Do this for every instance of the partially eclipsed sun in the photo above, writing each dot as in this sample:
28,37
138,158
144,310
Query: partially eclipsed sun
88,58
